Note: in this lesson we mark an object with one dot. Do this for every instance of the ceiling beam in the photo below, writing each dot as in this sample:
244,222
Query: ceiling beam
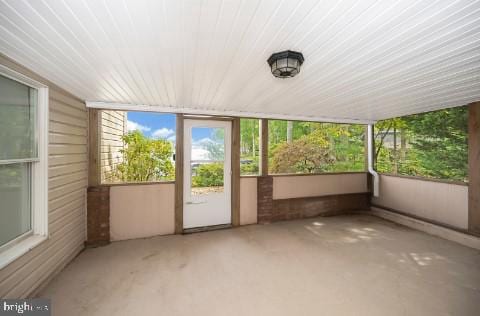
195,111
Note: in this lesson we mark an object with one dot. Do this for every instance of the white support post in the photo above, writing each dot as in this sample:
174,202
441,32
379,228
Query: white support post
371,155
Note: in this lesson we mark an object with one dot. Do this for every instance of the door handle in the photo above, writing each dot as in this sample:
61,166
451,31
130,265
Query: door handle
191,202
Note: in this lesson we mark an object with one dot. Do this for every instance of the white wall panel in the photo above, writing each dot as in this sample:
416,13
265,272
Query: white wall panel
248,200
286,187
139,211
441,202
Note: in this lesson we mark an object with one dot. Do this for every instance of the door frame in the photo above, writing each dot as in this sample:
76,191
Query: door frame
208,209
179,165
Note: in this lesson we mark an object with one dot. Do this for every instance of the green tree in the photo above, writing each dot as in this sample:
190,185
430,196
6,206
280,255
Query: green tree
340,145
249,134
249,146
432,144
387,159
308,154
441,142
145,159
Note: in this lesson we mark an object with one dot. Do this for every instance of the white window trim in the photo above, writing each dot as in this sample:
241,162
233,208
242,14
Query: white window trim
39,232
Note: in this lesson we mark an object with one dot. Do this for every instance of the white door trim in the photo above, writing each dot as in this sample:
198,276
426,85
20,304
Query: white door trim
212,208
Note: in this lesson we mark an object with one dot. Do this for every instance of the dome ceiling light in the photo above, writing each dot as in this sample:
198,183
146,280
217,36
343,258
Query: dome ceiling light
285,64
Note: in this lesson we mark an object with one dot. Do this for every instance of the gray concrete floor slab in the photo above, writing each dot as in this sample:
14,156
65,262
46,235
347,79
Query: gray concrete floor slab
343,265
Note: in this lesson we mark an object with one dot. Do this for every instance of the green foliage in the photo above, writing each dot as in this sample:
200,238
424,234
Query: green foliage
208,175
308,154
347,144
249,146
249,166
432,144
315,147
145,159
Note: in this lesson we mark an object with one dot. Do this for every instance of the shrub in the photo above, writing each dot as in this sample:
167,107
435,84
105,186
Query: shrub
145,159
208,175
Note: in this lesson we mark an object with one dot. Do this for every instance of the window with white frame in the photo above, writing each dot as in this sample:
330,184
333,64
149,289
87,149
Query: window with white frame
23,164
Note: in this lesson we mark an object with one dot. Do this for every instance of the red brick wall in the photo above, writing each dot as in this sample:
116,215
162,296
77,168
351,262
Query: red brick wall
270,210
264,199
287,209
98,216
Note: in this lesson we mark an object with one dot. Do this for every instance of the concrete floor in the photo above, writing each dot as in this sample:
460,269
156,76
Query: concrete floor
345,265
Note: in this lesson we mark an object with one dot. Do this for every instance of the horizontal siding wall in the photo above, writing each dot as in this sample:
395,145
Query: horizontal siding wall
113,125
445,203
67,174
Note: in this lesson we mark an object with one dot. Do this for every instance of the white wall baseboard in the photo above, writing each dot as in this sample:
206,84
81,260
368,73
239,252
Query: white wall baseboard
442,232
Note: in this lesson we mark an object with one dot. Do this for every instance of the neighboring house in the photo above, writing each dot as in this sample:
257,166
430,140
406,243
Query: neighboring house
113,125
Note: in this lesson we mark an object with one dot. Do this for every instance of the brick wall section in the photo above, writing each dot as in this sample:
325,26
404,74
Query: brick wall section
288,209
98,216
270,210
264,199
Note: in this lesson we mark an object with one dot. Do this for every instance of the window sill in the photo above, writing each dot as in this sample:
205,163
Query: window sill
315,174
113,184
19,249
446,181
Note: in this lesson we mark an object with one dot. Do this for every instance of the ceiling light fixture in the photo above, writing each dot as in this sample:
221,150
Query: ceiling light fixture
285,64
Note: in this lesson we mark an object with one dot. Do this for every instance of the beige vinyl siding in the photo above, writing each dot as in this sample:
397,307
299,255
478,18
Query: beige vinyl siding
113,125
67,173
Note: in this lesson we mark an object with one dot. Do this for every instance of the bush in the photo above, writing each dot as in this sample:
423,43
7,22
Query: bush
208,175
249,166
145,159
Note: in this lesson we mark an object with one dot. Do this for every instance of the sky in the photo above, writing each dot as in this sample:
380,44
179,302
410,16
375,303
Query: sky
154,125
162,125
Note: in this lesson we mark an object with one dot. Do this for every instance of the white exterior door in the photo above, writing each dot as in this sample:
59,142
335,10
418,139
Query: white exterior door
207,173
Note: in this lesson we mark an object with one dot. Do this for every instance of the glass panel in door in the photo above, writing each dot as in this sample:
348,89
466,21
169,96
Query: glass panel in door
207,159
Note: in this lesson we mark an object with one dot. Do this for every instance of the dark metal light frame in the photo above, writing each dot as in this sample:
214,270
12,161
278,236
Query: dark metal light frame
285,64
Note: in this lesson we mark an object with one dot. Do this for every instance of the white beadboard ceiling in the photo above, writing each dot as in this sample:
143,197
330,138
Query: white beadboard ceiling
365,60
